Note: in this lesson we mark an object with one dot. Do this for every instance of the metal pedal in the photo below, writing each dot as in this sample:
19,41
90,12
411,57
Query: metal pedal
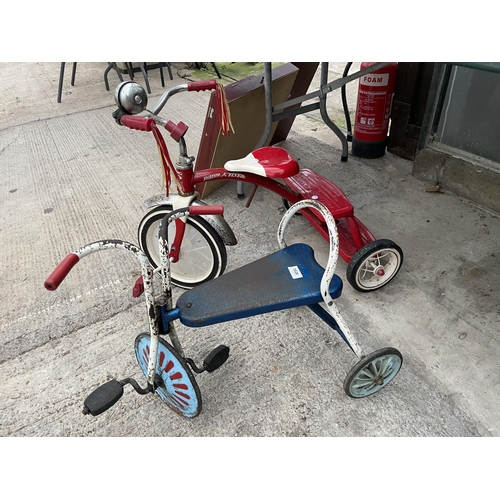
103,398
213,361
216,358
106,395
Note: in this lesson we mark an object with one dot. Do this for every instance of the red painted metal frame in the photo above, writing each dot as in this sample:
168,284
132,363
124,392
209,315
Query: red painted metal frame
353,235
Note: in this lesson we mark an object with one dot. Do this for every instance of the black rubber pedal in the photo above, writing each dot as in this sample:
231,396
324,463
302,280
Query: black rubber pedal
103,398
216,358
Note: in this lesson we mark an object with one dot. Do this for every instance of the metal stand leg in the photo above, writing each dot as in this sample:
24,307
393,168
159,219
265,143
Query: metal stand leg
216,70
167,65
240,190
130,70
73,74
145,75
61,79
345,106
161,75
111,66
169,70
326,118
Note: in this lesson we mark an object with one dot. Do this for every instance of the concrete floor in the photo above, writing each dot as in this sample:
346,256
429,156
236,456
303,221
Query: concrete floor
70,175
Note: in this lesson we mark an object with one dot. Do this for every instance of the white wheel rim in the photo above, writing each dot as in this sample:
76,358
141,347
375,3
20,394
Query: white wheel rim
196,260
378,268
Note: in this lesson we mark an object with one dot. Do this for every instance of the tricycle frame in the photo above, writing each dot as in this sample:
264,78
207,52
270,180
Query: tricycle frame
362,380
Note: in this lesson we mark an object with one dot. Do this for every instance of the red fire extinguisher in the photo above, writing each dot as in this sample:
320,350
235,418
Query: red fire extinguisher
373,109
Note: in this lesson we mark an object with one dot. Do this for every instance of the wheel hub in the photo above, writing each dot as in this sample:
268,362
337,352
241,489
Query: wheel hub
378,269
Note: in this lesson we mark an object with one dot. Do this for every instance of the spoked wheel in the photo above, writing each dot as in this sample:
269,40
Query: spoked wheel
177,388
203,254
374,265
373,372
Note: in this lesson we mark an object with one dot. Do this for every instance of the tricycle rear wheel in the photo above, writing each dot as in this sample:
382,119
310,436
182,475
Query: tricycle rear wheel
373,372
374,265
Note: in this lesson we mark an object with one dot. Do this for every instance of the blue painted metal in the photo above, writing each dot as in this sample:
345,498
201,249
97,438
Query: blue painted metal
168,316
178,387
288,278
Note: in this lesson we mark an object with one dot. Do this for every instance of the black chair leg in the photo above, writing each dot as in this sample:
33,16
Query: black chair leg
169,70
161,75
73,74
130,70
61,78
111,66
106,71
145,75
216,70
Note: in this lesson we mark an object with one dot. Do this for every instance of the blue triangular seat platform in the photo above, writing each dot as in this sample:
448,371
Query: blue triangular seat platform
288,278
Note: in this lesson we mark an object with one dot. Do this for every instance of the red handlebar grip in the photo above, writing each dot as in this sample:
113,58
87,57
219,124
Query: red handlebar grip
142,123
176,131
205,85
61,271
206,210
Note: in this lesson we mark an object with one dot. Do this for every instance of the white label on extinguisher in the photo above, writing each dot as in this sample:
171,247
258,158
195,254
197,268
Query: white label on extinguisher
375,80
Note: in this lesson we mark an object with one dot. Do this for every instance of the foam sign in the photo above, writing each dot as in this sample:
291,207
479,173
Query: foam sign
375,80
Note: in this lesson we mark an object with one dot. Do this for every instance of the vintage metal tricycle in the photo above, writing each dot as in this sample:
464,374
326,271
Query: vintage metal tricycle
287,278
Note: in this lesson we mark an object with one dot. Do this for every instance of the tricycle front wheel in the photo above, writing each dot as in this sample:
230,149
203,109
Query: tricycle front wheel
202,256
177,386
373,372
374,265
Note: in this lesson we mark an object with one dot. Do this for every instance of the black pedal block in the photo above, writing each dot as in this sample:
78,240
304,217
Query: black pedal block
216,358
103,398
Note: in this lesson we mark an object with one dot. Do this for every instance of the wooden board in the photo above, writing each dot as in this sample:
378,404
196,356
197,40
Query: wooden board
246,99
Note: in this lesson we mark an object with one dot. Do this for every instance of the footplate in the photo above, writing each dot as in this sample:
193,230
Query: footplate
353,235
312,186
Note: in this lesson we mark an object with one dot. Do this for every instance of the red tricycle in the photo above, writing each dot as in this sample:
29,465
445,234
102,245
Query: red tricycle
198,243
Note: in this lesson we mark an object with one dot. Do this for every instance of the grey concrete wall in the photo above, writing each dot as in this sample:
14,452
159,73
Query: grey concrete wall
468,180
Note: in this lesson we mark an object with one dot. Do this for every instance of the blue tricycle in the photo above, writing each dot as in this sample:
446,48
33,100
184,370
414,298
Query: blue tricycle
287,278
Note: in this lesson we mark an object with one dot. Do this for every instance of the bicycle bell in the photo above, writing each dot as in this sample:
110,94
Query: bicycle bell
131,98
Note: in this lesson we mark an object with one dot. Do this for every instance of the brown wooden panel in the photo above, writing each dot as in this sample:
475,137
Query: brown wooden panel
246,99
